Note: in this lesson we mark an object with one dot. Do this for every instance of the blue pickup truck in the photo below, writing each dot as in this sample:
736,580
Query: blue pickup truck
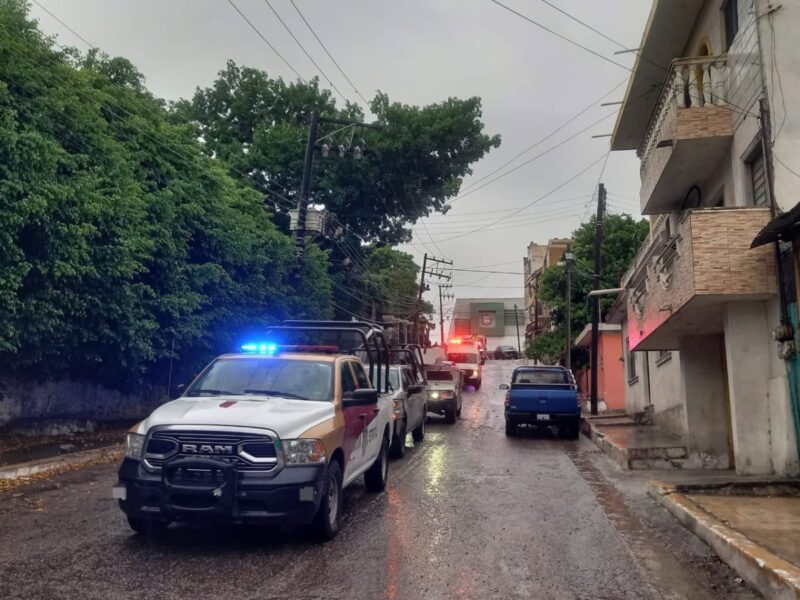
542,397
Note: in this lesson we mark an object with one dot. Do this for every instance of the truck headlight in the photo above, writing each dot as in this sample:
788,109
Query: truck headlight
134,444
434,395
475,372
304,452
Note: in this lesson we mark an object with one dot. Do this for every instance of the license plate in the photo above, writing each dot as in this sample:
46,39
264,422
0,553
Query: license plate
543,417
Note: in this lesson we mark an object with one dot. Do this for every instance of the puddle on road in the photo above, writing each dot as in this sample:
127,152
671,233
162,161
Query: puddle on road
671,578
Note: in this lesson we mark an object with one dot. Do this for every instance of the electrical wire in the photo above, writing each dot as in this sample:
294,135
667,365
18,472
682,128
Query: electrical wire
265,40
605,58
303,48
547,137
537,200
533,158
325,48
67,27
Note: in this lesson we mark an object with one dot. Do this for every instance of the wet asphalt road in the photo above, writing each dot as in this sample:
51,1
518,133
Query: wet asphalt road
467,514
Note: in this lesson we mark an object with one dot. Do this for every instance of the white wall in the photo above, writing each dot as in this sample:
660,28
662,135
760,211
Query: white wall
782,74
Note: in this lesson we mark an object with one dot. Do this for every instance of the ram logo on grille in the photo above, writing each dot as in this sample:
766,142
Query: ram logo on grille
206,449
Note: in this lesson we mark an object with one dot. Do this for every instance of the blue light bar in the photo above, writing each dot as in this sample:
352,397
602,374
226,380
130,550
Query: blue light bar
262,348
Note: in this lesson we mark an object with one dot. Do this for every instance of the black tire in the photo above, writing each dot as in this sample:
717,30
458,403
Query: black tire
398,448
153,528
458,411
574,431
325,525
376,476
477,385
450,416
418,434
511,429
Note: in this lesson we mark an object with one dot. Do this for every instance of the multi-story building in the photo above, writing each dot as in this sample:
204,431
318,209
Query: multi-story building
700,303
501,320
539,257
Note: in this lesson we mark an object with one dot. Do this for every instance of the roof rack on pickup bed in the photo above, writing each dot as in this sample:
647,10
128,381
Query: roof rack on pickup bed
352,337
411,355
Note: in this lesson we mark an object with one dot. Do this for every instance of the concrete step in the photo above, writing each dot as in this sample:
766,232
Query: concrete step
638,447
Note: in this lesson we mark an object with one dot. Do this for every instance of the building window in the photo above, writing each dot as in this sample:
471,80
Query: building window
663,356
758,177
631,364
731,10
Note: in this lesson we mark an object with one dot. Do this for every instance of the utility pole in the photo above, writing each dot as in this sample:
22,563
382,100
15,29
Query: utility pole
446,286
569,258
598,243
433,273
305,185
308,168
516,320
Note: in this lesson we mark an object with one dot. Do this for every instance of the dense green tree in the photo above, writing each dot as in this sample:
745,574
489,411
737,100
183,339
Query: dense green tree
411,166
622,237
124,243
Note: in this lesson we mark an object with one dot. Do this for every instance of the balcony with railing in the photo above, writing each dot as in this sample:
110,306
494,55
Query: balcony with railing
691,265
689,131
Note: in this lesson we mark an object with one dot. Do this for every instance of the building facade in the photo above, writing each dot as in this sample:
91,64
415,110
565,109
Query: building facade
539,257
494,318
700,303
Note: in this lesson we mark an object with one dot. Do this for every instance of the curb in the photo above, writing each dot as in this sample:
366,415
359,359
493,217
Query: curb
771,575
46,465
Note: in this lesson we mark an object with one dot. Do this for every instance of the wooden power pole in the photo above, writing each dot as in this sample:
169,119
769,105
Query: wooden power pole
598,243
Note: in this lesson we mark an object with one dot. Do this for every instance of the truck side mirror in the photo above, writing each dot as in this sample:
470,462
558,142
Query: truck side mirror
503,386
179,389
414,389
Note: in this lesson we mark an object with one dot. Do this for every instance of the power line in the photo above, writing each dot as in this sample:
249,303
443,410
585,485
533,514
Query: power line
550,193
660,82
299,43
548,136
563,37
70,29
265,40
533,158
333,60
494,272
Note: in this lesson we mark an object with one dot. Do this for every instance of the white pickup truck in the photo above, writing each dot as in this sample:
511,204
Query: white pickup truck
271,434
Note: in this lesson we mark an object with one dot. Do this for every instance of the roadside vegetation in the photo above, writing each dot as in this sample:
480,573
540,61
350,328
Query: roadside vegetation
135,231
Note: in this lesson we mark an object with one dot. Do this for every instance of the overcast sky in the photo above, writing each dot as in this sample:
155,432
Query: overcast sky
419,52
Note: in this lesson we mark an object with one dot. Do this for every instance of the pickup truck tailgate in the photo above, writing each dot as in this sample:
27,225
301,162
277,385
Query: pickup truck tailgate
544,398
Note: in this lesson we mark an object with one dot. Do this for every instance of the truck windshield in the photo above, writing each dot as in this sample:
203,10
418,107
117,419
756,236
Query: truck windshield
462,357
299,379
541,376
439,375
394,379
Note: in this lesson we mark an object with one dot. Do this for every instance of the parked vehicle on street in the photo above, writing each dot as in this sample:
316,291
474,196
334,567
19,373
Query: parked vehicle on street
505,353
270,434
409,406
445,390
542,397
466,357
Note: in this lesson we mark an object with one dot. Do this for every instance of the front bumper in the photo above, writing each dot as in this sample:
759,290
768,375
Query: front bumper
533,418
441,405
198,489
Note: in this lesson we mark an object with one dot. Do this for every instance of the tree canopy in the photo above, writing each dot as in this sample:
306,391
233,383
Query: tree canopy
622,237
411,166
124,243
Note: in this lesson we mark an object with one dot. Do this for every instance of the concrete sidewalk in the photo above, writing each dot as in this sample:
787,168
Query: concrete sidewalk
634,446
753,525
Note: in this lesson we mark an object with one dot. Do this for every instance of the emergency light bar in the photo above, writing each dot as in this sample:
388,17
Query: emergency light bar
271,349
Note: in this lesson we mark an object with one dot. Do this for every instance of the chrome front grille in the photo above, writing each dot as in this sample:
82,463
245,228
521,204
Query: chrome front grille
248,451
